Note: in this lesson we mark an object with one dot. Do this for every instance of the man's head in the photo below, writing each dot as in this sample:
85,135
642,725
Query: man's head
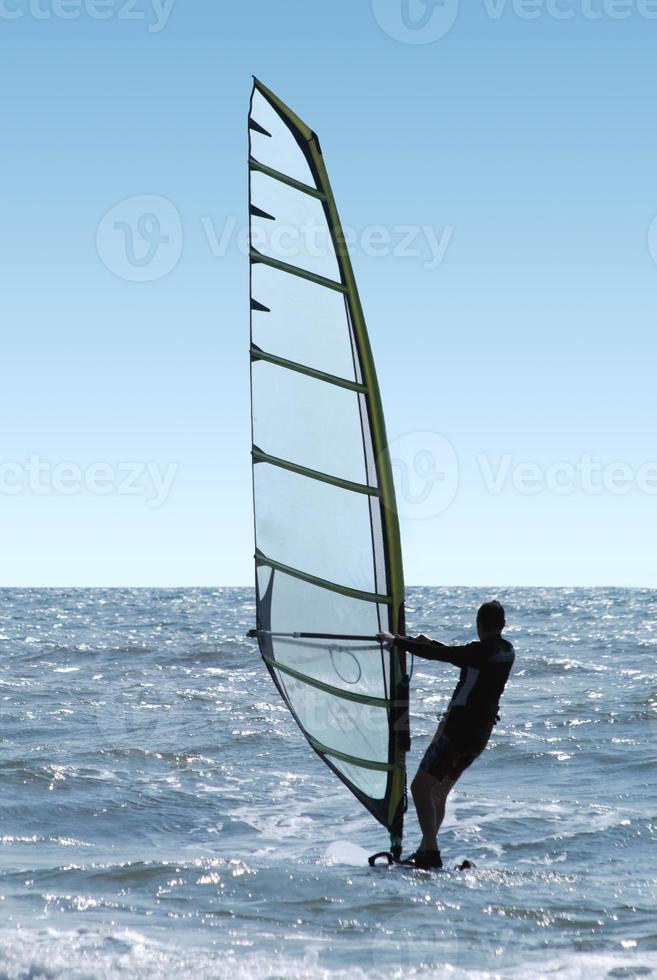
490,619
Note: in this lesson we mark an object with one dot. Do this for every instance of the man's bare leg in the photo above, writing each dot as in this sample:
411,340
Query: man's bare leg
430,796
441,792
424,788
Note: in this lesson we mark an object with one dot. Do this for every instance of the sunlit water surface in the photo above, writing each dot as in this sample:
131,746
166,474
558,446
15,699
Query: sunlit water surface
162,816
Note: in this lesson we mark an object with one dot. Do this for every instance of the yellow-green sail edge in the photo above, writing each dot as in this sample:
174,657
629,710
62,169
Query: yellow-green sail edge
399,739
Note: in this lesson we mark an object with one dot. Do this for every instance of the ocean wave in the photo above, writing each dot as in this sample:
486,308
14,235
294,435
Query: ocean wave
51,954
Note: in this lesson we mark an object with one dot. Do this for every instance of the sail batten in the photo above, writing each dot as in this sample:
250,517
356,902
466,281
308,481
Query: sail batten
320,583
260,457
337,692
295,270
284,179
257,354
328,558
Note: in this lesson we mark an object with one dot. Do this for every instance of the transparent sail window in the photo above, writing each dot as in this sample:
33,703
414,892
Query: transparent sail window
355,666
297,231
372,782
306,323
314,527
306,421
280,150
345,726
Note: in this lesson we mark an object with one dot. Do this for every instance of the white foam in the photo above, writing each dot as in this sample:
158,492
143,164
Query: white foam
81,955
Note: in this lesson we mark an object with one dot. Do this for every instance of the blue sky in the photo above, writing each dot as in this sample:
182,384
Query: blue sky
522,138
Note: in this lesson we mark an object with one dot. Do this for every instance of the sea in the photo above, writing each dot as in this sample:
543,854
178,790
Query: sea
161,816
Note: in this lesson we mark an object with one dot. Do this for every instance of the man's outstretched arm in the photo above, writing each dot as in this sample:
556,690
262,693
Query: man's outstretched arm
421,646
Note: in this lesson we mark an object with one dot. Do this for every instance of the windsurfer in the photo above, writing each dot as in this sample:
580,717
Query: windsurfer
466,726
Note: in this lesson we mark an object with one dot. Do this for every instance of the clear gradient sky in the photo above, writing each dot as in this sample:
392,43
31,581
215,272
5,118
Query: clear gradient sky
525,138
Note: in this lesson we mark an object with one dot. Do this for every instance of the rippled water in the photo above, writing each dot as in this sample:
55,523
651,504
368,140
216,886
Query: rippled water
162,816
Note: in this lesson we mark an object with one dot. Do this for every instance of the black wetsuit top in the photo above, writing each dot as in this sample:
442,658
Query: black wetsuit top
485,667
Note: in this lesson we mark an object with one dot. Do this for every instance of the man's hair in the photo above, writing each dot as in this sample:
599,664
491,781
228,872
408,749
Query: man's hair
491,617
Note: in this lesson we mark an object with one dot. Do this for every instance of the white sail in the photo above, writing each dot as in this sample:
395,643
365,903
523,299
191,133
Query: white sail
327,542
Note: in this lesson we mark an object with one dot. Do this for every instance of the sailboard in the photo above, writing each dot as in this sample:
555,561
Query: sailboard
328,559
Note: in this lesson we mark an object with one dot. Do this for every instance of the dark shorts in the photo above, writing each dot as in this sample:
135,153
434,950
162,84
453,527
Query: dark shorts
447,757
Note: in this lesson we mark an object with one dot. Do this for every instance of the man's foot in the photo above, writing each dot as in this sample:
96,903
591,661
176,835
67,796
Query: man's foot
425,860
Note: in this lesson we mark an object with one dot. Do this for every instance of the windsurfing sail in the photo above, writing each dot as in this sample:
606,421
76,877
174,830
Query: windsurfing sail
328,555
